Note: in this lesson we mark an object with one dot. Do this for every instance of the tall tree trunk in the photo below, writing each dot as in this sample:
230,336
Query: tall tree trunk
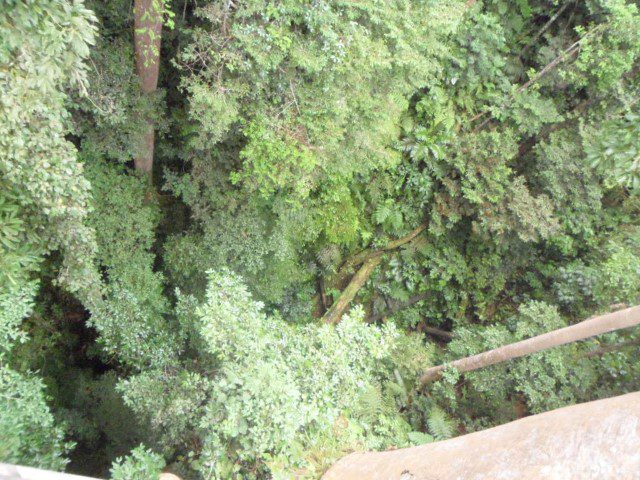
592,440
147,36
626,318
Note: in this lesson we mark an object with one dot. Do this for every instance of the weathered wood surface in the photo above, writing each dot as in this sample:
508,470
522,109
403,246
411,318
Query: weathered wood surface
597,440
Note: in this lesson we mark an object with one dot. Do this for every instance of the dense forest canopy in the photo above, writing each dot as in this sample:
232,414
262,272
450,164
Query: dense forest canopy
234,233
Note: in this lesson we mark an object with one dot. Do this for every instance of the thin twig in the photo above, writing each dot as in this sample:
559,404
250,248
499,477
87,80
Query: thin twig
546,26
398,307
611,348
564,56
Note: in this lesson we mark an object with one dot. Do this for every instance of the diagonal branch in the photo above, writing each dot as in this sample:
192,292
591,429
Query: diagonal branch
588,328
334,314
546,26
563,57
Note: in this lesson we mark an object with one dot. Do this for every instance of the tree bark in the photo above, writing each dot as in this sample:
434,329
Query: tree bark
588,328
592,440
147,39
371,253
369,259
334,314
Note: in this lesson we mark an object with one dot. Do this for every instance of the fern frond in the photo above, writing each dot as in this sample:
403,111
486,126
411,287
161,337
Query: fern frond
440,425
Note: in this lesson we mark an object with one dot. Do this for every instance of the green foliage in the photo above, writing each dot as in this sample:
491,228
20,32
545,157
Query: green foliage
278,390
131,320
564,176
141,464
273,164
112,116
609,278
309,100
611,48
28,432
612,148
43,202
291,138
20,253
37,160
440,426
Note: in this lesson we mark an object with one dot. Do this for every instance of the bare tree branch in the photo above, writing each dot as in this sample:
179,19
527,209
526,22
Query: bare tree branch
368,254
588,328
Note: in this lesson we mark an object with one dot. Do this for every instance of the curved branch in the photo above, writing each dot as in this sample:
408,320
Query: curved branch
369,259
368,254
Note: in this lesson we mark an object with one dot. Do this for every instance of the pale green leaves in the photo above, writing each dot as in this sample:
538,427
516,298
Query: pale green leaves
613,148
141,464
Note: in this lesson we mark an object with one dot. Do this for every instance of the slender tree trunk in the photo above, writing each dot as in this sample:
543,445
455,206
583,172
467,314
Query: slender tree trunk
595,440
147,36
626,318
